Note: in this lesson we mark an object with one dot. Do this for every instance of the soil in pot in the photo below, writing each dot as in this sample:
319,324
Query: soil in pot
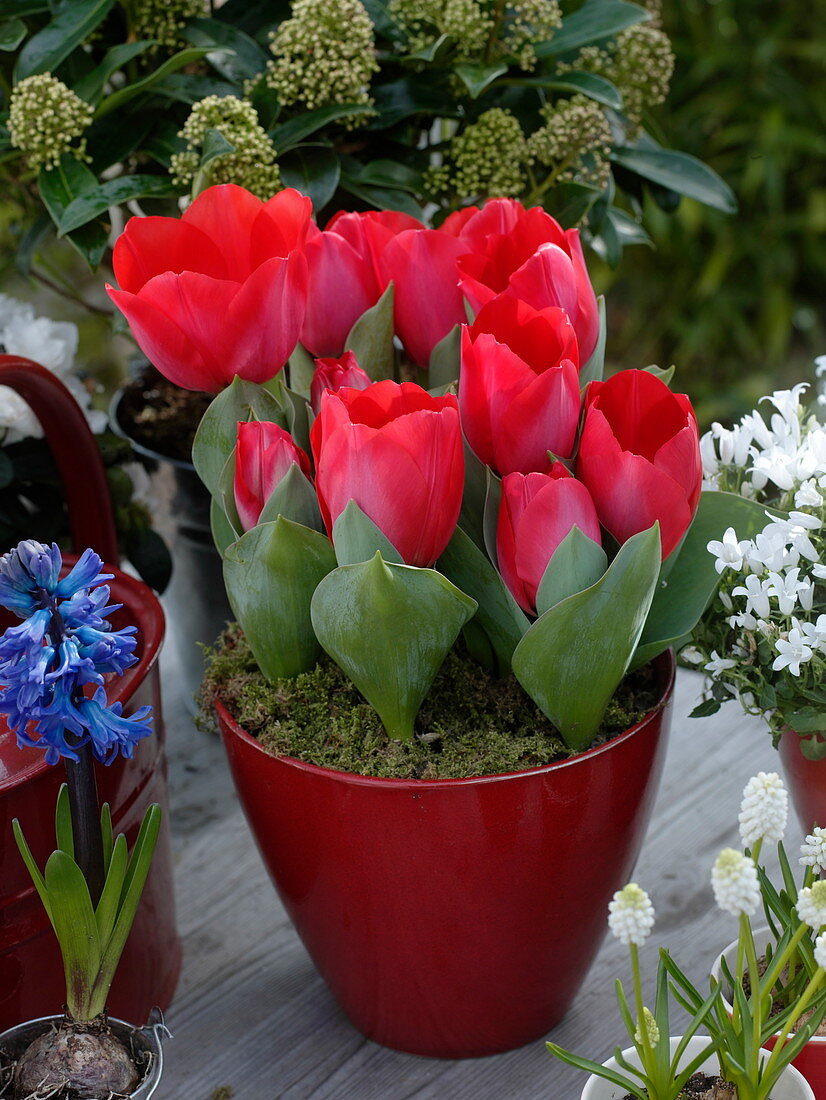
75,1061
704,1087
161,416
471,723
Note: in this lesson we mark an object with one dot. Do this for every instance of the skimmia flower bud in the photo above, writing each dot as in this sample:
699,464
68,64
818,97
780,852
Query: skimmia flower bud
764,809
813,850
652,1032
820,950
631,915
52,665
45,119
735,885
811,905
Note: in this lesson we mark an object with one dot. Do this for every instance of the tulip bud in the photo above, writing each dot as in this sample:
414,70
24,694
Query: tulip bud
263,456
335,374
536,513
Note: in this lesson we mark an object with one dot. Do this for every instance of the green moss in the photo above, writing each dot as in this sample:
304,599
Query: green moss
470,724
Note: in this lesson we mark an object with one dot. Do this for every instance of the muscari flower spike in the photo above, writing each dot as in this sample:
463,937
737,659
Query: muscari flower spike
820,950
764,809
813,850
52,665
811,905
631,915
735,884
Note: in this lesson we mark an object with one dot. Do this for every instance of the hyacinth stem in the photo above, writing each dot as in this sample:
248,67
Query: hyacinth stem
85,810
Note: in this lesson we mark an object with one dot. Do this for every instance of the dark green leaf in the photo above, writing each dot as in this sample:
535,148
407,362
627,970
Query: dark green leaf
112,193
571,202
356,538
679,172
90,87
589,84
383,198
371,338
59,187
163,142
76,930
405,97
391,173
71,25
313,170
13,8
253,16
433,51
595,21
63,830
12,33
295,499
445,359
576,564
223,534
115,137
215,145
232,53
705,709
807,720
291,133
150,82
302,368
478,77
191,87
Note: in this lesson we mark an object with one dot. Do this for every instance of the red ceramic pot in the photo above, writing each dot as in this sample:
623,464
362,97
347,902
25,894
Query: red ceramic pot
454,918
806,780
31,973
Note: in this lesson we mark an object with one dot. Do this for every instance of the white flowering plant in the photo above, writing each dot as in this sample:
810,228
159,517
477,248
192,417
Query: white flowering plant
32,500
763,639
782,993
661,1074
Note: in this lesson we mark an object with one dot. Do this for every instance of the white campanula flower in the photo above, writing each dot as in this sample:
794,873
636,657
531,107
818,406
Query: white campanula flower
757,596
631,915
729,553
820,365
808,495
708,456
764,809
726,601
813,848
811,905
820,950
793,650
787,402
773,466
815,633
691,655
735,885
718,664
768,550
784,589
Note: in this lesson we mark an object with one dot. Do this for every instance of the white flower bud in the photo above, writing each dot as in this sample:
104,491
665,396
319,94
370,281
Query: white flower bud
820,950
813,850
764,809
735,885
651,1030
631,915
811,905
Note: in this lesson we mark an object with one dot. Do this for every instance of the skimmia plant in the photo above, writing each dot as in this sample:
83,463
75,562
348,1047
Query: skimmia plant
400,105
510,494
763,640
53,667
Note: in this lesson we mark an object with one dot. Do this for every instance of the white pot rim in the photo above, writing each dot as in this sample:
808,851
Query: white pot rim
730,949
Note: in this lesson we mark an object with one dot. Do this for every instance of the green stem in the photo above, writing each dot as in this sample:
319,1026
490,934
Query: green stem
498,16
645,1043
756,997
536,194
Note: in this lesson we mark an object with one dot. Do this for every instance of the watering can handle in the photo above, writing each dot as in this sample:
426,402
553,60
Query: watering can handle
75,452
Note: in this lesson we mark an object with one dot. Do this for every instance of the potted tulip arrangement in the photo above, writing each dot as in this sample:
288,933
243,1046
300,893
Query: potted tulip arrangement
762,640
52,673
728,1063
388,542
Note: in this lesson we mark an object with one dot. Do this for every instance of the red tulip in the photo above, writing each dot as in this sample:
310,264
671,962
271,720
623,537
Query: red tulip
529,252
397,452
370,232
428,301
335,374
640,456
220,291
536,512
519,385
341,286
264,454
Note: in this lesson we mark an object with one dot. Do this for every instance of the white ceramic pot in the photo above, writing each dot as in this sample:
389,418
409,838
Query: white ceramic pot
791,1086
811,1061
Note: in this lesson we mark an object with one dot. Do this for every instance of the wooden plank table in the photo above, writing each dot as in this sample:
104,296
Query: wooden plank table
252,1016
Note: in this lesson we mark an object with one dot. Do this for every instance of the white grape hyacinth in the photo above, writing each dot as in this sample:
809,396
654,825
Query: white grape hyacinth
811,905
631,915
764,809
820,950
735,885
813,850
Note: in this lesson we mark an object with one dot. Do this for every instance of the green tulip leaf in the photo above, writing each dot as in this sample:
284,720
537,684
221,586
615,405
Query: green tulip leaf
592,371
493,499
576,564
218,431
357,538
371,338
293,498
574,657
693,578
296,410
301,368
498,615
665,374
76,929
222,533
472,515
226,496
270,575
63,828
445,359
390,627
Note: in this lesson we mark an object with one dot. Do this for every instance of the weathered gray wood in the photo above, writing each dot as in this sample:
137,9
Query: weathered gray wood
252,1014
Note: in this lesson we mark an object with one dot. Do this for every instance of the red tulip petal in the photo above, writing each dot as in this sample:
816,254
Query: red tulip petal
641,409
149,246
543,417
264,319
166,345
679,457
542,338
341,287
587,320
227,213
547,278
284,223
511,506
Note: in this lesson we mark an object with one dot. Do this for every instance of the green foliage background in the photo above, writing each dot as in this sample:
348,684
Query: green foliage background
739,303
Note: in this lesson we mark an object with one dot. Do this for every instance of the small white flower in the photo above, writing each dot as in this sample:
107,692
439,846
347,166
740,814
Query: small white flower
820,365
808,496
631,915
726,601
784,589
691,655
757,595
764,809
792,650
811,905
813,848
820,950
735,885
729,553
719,664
